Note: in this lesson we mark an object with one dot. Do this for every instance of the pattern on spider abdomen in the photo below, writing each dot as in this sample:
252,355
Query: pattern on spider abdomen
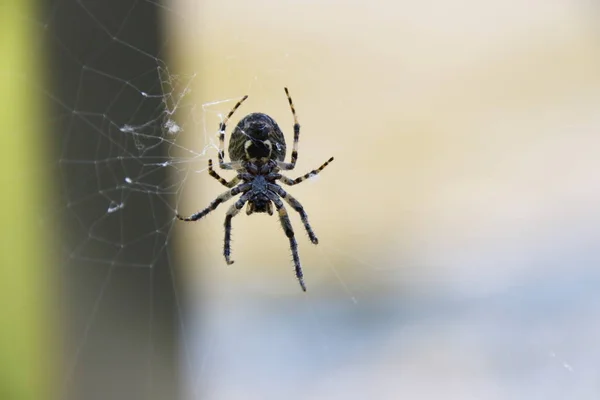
254,136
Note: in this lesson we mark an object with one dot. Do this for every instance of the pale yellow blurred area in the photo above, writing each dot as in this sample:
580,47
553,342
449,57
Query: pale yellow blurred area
461,130
465,137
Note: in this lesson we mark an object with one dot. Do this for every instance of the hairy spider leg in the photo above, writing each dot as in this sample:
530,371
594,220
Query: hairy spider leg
223,197
222,128
224,182
291,165
295,204
304,177
289,232
232,212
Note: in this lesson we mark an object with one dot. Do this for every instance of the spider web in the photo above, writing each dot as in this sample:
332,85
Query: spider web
124,122
131,138
118,112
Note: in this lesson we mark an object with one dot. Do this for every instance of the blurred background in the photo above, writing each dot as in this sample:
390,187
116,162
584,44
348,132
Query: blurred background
458,224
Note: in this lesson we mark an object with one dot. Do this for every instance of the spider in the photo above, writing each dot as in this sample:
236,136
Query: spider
257,152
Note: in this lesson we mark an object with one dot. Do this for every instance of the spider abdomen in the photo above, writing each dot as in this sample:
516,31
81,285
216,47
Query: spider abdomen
257,136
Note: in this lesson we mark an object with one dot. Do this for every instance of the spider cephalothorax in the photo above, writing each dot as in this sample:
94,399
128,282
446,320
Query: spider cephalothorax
257,150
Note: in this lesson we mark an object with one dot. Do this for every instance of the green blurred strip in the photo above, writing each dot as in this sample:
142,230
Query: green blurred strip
29,368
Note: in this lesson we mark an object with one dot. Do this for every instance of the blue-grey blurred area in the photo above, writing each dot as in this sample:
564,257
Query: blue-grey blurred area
536,341
458,224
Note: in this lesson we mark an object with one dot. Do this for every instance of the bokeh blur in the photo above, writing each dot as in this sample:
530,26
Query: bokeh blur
458,224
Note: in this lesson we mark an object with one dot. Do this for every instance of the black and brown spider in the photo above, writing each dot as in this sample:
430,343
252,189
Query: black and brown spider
257,150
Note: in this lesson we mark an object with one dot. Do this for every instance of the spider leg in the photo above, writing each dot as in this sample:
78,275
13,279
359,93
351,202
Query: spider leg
223,182
289,232
223,197
232,212
295,204
291,165
304,177
222,128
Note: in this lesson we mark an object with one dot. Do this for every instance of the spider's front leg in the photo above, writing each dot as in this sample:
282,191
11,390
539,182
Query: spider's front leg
232,212
295,204
289,232
223,197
